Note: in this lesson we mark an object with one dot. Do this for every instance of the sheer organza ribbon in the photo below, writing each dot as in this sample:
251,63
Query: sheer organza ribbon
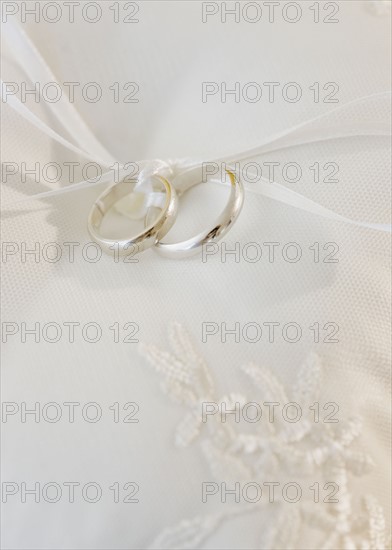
337,123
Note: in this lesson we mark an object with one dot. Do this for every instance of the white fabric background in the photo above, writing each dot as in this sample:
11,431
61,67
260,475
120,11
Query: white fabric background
170,52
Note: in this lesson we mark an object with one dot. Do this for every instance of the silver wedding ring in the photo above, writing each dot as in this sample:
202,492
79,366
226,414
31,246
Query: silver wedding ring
156,227
224,222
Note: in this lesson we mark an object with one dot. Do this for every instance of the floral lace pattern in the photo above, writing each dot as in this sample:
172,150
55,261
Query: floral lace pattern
265,451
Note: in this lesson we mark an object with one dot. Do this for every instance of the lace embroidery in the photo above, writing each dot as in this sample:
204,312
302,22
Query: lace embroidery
268,451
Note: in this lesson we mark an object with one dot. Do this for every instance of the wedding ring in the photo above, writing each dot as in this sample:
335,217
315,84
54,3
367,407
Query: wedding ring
224,222
152,232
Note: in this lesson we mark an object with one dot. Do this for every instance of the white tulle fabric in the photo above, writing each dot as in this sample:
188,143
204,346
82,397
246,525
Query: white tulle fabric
169,453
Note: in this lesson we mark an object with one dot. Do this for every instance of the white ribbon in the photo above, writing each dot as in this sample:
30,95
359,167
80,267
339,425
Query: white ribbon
87,145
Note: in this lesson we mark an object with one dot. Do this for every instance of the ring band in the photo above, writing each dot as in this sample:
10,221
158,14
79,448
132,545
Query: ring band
227,218
150,235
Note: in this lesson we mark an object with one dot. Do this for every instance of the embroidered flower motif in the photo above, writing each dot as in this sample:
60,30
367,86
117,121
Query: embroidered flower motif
280,448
